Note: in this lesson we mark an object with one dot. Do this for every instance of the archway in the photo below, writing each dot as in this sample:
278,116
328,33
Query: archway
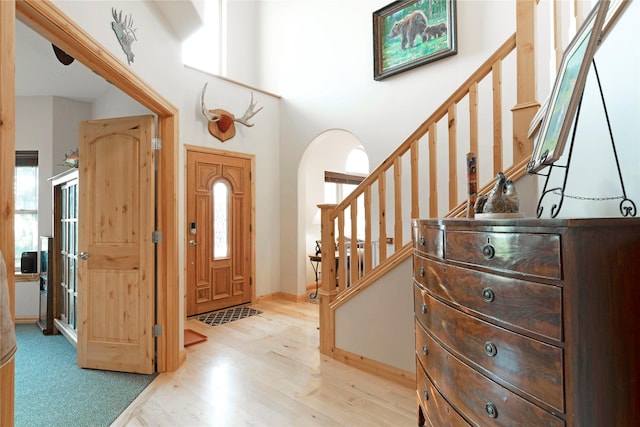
334,150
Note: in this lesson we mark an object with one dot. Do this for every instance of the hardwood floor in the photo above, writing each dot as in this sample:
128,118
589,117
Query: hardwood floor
266,370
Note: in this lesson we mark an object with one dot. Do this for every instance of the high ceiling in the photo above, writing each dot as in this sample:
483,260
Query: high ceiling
39,73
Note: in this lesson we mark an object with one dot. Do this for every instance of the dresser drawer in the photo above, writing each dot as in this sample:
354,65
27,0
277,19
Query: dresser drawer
475,396
436,409
528,365
428,240
510,302
534,254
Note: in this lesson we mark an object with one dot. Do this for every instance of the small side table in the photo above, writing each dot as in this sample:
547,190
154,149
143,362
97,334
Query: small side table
315,261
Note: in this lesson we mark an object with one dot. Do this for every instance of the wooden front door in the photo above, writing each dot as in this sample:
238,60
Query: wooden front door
116,251
218,231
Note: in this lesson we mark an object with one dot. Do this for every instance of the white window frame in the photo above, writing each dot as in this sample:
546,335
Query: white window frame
26,159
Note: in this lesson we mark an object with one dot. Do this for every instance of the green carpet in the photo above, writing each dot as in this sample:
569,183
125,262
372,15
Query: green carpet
51,390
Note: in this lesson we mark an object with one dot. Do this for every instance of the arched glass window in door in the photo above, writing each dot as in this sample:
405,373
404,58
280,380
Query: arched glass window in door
220,220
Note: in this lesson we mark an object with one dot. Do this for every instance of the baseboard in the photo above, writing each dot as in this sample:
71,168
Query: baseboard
282,295
398,376
66,330
26,319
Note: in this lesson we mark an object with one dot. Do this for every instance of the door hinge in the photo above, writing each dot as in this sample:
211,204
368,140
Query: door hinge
156,236
156,143
157,330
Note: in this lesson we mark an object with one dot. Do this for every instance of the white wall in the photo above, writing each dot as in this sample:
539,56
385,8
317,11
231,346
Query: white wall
379,324
27,301
67,115
157,50
318,55
50,126
115,103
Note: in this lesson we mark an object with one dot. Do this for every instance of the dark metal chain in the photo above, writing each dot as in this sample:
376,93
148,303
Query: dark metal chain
599,199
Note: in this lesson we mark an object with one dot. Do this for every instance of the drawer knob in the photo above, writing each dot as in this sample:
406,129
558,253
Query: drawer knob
421,271
422,241
488,295
425,393
425,350
488,251
423,309
491,409
490,348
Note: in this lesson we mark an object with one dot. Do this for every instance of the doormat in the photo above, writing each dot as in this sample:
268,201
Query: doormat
192,337
225,316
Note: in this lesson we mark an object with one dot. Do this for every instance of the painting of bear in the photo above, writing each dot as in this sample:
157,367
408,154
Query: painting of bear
410,33
410,27
434,31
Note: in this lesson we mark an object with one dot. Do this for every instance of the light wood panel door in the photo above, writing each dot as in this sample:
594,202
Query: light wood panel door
116,267
218,231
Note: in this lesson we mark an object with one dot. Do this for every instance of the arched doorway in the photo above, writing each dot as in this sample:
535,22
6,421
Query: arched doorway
334,150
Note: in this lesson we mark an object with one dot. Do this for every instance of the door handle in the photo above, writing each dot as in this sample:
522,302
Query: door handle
193,243
84,255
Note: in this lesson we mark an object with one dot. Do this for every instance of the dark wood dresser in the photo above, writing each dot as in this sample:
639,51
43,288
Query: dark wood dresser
527,322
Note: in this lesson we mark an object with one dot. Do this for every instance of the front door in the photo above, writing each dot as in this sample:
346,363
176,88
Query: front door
218,231
116,266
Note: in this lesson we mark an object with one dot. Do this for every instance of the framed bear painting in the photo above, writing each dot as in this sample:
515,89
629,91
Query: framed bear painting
407,34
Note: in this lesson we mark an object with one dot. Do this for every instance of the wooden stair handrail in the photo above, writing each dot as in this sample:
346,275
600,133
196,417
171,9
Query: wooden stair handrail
500,54
335,290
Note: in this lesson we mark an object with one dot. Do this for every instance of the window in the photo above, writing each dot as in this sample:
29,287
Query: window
203,50
337,186
220,220
357,162
26,204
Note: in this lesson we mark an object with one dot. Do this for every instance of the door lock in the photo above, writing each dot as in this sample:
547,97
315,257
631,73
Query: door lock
193,243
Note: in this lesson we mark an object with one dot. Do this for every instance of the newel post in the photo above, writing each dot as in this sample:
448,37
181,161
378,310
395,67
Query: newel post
328,291
526,103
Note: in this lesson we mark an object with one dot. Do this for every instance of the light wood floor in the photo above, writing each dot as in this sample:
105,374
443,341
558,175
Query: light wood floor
266,370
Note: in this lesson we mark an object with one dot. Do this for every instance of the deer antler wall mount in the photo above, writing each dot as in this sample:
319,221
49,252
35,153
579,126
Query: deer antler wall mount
221,123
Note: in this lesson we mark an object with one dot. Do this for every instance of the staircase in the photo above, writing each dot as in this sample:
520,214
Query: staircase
411,182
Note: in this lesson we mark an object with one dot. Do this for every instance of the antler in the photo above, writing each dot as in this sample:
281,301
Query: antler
205,111
249,113
126,25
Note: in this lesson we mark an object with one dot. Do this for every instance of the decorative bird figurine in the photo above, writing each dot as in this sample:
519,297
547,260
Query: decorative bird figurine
511,196
503,198
478,207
